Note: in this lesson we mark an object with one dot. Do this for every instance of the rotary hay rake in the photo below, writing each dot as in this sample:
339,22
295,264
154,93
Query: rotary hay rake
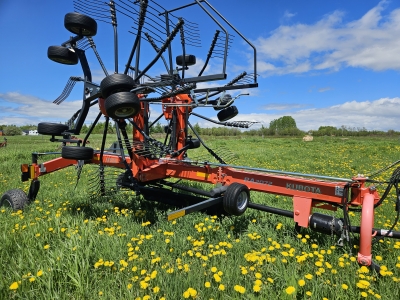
125,98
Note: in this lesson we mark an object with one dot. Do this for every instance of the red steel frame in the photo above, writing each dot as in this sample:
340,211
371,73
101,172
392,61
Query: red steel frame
307,193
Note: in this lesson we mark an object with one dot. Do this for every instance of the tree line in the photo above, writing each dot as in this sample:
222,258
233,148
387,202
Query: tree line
284,126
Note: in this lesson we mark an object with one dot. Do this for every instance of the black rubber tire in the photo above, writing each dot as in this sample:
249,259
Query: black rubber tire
80,24
62,55
122,105
16,199
116,83
78,153
236,199
51,128
227,113
189,60
193,143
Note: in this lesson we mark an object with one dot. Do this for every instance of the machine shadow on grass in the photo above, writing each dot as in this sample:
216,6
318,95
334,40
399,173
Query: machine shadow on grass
151,206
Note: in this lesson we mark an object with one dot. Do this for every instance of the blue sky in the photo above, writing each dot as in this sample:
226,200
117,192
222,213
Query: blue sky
322,62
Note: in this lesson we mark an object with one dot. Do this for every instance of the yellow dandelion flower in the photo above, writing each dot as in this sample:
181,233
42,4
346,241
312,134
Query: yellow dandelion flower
258,282
39,273
364,294
363,284
217,278
100,293
308,293
207,284
221,287
32,279
345,286
301,282
46,246
143,284
240,289
153,274
309,276
290,290
213,269
156,289
129,286
363,269
14,285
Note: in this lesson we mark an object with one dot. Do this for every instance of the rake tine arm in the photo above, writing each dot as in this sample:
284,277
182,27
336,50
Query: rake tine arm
153,44
240,124
214,41
75,115
93,46
162,49
67,90
142,16
181,90
215,155
232,82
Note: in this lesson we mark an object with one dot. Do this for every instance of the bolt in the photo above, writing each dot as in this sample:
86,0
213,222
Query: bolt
297,213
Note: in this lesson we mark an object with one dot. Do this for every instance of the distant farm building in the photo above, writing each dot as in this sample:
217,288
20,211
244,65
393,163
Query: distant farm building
1,133
33,132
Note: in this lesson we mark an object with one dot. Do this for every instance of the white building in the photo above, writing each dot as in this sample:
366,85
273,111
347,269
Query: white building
33,132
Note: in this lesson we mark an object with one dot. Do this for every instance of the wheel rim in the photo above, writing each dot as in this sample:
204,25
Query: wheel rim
125,112
6,203
242,200
79,30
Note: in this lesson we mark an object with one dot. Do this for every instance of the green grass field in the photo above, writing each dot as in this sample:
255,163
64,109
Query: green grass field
67,246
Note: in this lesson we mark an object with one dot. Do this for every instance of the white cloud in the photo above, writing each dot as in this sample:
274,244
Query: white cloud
19,109
325,89
331,43
288,15
382,114
283,106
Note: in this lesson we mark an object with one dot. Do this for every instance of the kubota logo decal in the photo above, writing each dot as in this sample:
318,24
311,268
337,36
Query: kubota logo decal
258,181
303,188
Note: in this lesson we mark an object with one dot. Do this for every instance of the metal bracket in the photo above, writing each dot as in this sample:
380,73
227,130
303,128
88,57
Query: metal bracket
192,208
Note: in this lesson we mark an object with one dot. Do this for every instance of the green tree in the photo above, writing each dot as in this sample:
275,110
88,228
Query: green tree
285,125
12,130
158,128
197,128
